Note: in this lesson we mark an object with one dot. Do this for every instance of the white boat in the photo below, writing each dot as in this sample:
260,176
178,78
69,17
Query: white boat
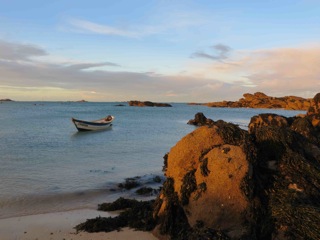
94,125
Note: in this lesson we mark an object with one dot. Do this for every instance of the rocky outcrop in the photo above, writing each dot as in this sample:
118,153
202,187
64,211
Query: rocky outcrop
200,120
205,171
6,100
148,104
227,183
261,100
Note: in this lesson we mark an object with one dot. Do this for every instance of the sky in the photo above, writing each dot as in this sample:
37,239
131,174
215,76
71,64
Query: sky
162,51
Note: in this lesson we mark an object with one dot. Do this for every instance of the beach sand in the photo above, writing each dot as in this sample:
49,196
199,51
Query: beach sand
60,226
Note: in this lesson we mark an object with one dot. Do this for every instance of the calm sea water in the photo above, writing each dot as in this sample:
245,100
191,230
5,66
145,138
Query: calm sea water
46,165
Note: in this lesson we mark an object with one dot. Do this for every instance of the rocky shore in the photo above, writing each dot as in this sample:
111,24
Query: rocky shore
261,100
223,182
147,104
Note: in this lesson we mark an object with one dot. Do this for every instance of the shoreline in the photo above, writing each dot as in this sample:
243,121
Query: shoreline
60,225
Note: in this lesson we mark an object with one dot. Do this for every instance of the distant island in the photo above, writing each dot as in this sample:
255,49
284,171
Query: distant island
147,104
261,100
6,100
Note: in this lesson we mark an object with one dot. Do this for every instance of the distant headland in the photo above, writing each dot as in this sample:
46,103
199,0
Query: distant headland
6,100
261,100
147,104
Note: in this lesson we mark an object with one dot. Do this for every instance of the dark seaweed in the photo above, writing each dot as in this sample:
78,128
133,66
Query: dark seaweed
204,167
189,185
139,216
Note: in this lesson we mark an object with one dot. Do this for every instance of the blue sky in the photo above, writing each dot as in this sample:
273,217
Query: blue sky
173,51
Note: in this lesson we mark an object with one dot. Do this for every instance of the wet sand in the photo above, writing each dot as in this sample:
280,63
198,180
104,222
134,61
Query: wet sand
60,226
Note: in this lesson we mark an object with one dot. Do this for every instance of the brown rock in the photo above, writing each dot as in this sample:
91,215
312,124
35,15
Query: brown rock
200,120
260,95
261,100
208,166
267,119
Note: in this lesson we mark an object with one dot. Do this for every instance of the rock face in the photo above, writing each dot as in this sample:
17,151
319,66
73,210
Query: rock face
148,104
261,100
227,183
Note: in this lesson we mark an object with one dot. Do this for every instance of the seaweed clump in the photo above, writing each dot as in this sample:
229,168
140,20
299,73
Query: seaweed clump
119,204
145,191
136,214
130,183
189,185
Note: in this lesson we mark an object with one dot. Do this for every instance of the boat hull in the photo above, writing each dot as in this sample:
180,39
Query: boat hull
92,126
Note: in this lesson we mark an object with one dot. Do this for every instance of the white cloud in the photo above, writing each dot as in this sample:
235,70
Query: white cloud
91,27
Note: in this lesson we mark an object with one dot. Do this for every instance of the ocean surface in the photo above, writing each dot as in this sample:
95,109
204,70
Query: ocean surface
46,165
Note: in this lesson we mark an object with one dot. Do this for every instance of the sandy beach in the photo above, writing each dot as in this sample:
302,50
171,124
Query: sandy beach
60,226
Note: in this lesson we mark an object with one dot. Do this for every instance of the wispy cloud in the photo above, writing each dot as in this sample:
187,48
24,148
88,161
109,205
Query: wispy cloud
82,66
17,51
91,27
220,53
163,23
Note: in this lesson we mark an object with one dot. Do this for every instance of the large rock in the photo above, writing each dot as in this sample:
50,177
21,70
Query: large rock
206,170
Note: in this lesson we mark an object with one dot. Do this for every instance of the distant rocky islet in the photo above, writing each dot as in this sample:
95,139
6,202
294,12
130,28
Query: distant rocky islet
261,100
134,103
6,100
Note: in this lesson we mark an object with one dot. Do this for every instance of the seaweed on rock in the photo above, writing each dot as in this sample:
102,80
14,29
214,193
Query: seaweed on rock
174,222
189,185
204,167
289,193
231,133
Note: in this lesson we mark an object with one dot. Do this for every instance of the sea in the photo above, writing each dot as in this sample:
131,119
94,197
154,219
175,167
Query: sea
46,165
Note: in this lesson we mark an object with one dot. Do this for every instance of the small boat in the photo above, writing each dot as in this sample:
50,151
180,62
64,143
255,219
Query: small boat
100,124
